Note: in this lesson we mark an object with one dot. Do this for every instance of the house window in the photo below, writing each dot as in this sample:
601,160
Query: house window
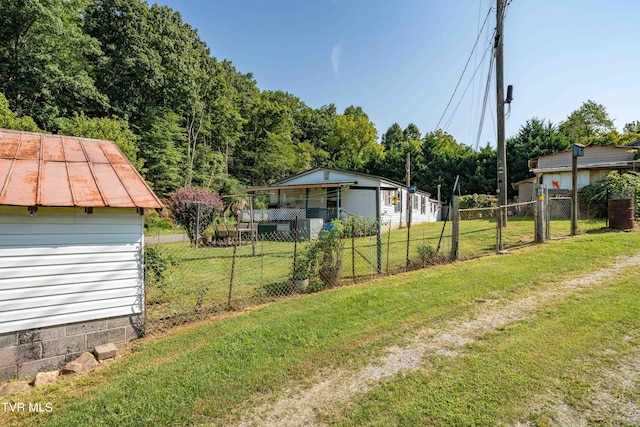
398,206
391,198
423,205
326,175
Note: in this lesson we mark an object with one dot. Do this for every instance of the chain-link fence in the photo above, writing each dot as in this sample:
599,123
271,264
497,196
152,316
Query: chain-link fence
480,233
245,265
520,226
236,265
559,211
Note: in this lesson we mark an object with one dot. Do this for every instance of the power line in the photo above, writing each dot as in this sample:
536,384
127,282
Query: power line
484,102
446,126
465,68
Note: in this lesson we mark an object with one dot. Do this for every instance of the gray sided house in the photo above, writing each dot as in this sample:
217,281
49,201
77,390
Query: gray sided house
330,193
71,239
554,171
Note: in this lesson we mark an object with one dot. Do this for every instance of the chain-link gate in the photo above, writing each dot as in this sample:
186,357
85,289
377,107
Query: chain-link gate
558,217
559,211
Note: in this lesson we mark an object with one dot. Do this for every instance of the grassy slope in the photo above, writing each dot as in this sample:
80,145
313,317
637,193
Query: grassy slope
213,372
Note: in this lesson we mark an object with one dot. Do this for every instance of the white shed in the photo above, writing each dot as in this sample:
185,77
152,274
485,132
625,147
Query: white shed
71,239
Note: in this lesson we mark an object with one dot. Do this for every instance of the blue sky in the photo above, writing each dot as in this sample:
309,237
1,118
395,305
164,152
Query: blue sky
400,60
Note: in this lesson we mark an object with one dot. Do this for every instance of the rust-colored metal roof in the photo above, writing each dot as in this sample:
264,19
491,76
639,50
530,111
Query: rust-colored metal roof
53,170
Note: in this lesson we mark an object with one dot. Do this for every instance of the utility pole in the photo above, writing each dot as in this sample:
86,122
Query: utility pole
501,146
409,205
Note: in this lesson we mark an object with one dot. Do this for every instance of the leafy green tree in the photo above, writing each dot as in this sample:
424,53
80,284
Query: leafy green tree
106,129
353,140
393,137
444,158
398,143
411,132
161,139
589,124
631,132
314,128
480,176
46,59
267,151
10,120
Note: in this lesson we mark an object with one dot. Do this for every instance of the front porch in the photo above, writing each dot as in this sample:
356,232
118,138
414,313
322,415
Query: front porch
286,202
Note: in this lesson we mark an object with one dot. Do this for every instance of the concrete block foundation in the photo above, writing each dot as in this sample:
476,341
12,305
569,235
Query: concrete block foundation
25,353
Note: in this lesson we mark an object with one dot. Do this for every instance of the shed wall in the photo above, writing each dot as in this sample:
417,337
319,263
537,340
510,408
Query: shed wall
592,155
63,266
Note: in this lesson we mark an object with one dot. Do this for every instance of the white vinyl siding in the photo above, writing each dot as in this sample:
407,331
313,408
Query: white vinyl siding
360,202
63,266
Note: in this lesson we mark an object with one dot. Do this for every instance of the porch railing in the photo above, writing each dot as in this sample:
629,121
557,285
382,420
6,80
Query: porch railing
287,214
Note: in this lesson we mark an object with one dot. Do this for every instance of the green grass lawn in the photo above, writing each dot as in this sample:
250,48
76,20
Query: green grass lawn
212,373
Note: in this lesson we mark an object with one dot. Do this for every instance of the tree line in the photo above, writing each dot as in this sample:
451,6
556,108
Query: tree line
138,75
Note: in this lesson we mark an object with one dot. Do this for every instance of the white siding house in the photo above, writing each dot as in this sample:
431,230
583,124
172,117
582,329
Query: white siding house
71,239
330,193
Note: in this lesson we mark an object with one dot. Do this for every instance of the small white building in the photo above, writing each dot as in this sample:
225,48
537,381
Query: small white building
554,171
330,193
71,240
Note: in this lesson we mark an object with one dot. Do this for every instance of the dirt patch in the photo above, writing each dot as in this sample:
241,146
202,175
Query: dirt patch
306,406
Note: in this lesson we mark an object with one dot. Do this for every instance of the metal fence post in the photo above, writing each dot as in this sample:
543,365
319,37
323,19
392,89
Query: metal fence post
295,252
499,230
455,232
353,250
539,215
197,230
547,211
388,245
379,233
262,263
233,269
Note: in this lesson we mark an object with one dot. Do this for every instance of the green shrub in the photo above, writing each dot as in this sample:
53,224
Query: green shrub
191,206
471,201
358,226
156,263
153,220
613,186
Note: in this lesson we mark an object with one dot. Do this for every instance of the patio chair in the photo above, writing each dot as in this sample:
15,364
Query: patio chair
222,235
231,229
